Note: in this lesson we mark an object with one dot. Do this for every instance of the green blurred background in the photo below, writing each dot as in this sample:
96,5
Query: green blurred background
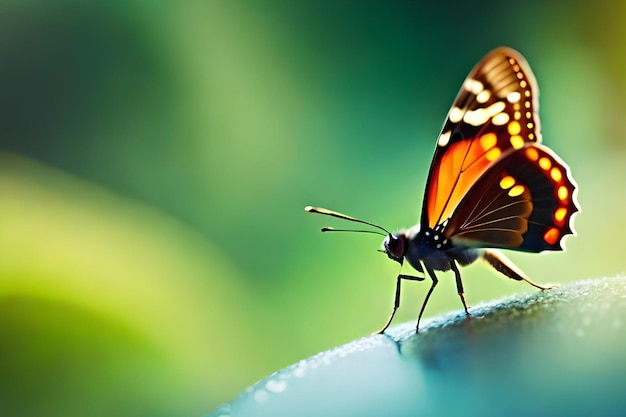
155,159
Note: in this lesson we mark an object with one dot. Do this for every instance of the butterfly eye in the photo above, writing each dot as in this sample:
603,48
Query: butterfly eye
394,247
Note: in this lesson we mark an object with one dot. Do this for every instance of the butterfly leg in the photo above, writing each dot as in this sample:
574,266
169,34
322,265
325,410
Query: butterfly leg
459,284
432,276
504,265
396,302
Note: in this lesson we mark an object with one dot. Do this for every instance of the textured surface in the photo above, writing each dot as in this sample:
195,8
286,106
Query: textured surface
547,353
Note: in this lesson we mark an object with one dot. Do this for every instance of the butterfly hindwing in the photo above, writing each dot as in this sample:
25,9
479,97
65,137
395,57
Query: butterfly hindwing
495,113
524,201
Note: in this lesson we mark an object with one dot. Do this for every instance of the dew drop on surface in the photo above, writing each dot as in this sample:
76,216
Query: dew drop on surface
299,372
222,411
261,396
276,386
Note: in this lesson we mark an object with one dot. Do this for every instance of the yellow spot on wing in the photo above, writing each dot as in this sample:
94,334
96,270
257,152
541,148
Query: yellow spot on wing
562,193
507,182
514,128
559,214
532,154
488,140
517,142
545,163
493,154
517,190
556,174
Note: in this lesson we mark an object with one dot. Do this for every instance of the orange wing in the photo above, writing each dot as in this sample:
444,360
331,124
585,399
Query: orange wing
494,114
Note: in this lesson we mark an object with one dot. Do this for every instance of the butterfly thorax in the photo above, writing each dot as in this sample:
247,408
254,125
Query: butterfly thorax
427,247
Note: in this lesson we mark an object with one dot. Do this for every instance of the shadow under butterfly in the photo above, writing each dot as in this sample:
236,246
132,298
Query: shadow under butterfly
491,183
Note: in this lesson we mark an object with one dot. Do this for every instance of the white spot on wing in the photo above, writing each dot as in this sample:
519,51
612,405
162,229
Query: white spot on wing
455,115
500,119
496,108
513,97
444,138
482,115
476,117
483,96
473,86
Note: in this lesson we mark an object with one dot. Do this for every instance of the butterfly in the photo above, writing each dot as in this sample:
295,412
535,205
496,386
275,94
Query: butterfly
491,184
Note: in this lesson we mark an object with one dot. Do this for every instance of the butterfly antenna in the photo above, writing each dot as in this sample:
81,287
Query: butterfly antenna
327,212
332,229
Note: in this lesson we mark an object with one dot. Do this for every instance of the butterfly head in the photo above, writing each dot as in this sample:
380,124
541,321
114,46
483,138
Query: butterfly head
394,246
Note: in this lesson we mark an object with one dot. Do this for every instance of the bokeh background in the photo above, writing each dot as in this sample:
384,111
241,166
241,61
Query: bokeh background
156,157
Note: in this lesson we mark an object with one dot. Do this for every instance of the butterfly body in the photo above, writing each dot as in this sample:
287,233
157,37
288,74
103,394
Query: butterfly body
428,248
491,184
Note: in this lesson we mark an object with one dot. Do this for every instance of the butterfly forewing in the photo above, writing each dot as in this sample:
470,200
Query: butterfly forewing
495,113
